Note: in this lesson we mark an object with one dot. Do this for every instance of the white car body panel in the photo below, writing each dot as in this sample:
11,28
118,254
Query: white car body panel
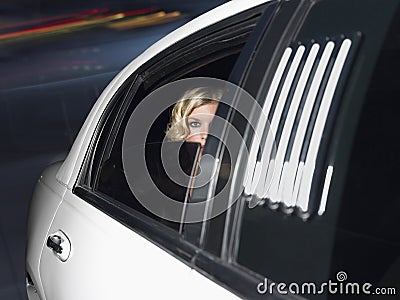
110,261
69,171
46,199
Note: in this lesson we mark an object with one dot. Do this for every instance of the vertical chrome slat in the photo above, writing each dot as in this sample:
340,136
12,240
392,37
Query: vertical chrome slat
281,103
267,163
286,88
325,191
294,170
250,181
309,165
273,193
286,171
296,187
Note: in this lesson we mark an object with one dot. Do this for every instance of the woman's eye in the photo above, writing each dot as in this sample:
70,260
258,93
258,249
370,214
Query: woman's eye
194,124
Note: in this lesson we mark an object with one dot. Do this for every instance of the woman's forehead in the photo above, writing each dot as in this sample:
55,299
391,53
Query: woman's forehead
206,109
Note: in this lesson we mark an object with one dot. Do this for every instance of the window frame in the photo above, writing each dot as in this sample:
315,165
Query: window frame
139,76
164,237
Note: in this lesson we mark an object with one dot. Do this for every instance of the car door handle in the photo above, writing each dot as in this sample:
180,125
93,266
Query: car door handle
53,242
60,244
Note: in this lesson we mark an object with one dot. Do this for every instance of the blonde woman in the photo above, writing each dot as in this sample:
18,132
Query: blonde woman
191,118
192,115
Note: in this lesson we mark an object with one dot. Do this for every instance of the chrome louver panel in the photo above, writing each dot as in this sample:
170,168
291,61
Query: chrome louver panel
287,141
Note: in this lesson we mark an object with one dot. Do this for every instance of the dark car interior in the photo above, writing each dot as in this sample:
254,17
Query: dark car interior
111,179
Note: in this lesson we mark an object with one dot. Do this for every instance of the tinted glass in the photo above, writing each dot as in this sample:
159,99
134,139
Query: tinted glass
358,233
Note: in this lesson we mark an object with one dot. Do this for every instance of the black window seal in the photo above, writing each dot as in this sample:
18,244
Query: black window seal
239,280
110,139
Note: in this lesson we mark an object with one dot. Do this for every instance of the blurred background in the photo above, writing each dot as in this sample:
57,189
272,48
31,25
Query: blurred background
56,57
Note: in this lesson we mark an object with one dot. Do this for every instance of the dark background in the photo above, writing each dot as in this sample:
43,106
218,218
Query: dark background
49,82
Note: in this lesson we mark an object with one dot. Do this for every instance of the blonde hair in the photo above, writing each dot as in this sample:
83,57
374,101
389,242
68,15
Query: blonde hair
178,129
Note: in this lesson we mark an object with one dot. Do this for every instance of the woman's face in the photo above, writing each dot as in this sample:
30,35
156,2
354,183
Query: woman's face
199,122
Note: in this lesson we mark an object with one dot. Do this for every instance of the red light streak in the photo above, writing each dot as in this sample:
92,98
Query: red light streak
98,14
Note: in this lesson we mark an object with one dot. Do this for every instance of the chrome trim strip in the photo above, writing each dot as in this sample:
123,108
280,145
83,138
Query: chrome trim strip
325,191
275,192
283,98
249,186
294,172
309,166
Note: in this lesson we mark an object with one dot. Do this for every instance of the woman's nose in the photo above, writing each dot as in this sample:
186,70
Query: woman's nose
204,134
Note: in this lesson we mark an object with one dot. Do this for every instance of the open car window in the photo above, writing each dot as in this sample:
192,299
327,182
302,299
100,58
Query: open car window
209,53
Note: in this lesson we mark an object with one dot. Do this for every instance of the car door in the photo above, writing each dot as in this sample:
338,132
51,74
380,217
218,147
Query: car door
101,243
